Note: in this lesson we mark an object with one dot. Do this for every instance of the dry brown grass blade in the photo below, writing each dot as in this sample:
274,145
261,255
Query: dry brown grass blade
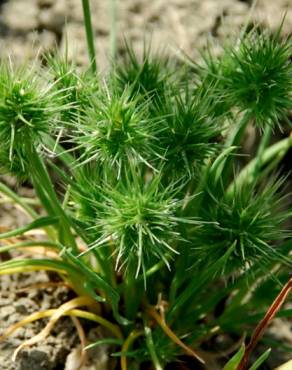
259,330
47,284
114,329
172,335
127,343
82,337
63,309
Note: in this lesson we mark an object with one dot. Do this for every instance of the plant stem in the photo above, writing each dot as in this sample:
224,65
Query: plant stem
263,144
113,33
133,290
196,284
274,153
89,35
234,140
261,327
18,200
151,349
235,136
127,343
48,197
161,322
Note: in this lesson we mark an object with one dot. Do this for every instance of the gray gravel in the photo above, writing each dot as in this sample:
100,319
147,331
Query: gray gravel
30,27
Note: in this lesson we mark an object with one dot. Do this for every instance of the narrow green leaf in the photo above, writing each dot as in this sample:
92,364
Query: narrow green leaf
151,348
218,165
104,341
37,224
17,199
261,360
24,265
95,281
196,283
233,363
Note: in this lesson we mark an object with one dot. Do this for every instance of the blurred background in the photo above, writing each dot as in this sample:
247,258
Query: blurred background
32,27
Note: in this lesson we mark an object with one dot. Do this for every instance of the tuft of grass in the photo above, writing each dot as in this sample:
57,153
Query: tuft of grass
190,133
145,220
255,77
140,219
29,107
251,217
115,129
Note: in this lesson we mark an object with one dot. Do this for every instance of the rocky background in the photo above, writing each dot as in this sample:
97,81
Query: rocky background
30,27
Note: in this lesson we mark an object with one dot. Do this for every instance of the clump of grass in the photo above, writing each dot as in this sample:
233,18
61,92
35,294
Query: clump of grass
28,108
140,219
250,218
116,129
154,224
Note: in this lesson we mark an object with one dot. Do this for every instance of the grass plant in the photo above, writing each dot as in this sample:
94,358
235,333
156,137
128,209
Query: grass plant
166,240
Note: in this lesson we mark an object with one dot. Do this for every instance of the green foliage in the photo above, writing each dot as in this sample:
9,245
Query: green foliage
233,363
114,131
255,76
140,218
148,78
190,132
28,108
144,210
75,90
250,217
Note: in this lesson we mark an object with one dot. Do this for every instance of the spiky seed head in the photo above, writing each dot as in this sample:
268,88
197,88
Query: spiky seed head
258,77
148,77
253,76
115,130
251,218
190,132
139,220
210,77
75,89
27,110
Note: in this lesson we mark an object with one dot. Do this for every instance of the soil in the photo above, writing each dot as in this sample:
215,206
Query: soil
30,28
16,304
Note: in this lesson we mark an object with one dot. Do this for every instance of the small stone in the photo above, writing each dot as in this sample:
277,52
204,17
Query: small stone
6,312
34,359
21,15
25,306
53,18
46,3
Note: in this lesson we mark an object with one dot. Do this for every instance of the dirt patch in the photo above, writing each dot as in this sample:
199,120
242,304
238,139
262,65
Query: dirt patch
61,350
16,304
28,28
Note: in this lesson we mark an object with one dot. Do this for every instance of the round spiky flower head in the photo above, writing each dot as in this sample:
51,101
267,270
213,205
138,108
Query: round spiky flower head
139,218
116,129
75,89
258,77
190,132
27,110
148,77
250,218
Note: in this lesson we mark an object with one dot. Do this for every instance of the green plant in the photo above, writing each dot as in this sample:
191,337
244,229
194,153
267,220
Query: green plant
154,225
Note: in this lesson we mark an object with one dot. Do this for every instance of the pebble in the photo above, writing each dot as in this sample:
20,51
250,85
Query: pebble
21,15
53,18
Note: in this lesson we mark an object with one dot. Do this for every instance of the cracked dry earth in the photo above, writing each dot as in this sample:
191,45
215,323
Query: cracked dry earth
29,28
